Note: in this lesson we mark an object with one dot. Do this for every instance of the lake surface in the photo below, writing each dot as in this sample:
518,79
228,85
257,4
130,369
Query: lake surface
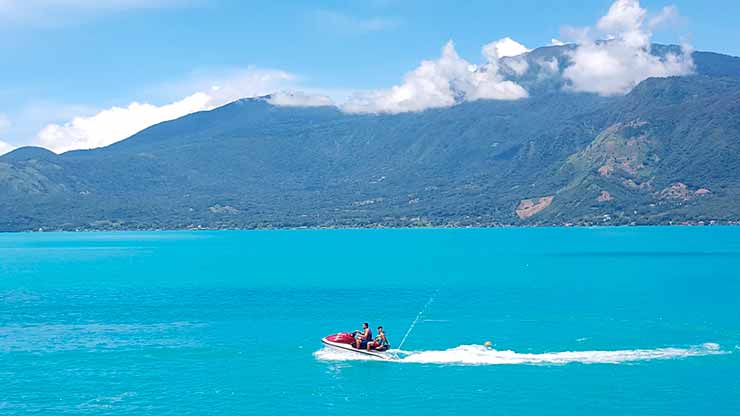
607,321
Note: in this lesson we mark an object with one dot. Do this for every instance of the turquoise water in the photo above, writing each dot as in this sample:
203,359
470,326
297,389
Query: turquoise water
607,321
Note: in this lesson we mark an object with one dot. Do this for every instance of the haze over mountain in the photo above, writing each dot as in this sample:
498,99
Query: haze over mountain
667,151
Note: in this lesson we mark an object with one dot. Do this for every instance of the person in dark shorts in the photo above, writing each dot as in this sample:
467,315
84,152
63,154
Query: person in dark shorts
365,336
380,343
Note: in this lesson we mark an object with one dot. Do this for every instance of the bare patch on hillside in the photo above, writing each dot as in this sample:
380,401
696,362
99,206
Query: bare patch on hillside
679,191
605,197
702,192
529,207
623,148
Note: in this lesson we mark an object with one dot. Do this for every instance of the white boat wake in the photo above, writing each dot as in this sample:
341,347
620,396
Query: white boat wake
480,355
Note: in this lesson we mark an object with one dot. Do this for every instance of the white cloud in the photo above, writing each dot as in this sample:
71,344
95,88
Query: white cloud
667,15
624,16
504,48
5,147
441,83
117,123
548,68
617,65
556,42
299,99
242,83
508,52
517,64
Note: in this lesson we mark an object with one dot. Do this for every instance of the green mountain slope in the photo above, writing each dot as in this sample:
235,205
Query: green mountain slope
667,152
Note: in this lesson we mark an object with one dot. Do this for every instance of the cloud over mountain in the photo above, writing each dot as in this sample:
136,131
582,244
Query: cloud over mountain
503,48
611,58
5,147
116,123
299,99
442,83
616,65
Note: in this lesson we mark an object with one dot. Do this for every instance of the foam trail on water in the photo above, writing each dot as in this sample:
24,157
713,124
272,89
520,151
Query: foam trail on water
479,355
334,354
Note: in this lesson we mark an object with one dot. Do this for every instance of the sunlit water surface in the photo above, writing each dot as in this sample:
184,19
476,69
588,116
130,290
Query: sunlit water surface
608,321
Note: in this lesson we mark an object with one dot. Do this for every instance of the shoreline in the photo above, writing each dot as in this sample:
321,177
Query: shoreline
379,227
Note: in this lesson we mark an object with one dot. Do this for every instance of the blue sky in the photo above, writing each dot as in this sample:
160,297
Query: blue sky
80,57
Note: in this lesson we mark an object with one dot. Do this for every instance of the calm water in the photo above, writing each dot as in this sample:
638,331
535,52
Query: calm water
640,321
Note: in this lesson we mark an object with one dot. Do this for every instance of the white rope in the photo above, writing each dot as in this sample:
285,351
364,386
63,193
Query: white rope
418,316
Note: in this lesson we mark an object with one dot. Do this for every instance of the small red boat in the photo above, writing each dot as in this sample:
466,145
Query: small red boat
346,341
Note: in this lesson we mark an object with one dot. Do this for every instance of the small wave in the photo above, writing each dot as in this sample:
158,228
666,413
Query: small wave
39,338
480,355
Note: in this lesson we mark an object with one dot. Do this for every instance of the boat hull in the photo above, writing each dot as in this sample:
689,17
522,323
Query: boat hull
346,347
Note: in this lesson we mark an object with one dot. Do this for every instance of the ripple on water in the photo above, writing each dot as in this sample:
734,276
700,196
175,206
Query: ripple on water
45,338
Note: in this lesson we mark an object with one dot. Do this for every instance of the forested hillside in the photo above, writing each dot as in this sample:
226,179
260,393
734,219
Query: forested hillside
667,152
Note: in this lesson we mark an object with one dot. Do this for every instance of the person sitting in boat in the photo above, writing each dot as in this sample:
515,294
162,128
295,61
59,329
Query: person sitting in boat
380,343
362,338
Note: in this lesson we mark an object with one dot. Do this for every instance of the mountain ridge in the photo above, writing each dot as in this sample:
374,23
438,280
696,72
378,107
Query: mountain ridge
665,153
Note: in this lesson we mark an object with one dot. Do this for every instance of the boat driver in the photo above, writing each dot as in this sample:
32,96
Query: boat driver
365,336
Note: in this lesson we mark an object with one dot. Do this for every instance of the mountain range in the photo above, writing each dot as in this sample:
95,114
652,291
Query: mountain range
668,152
